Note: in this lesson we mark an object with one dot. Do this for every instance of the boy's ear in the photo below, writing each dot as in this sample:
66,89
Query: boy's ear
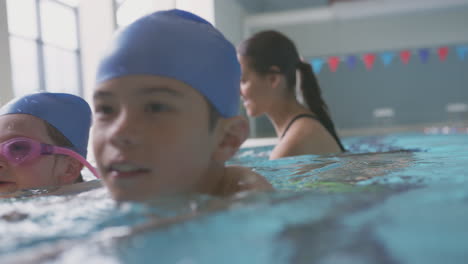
69,171
233,132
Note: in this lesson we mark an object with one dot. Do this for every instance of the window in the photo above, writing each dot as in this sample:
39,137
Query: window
44,46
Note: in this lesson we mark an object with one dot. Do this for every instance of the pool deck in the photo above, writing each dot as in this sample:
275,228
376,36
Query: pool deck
442,127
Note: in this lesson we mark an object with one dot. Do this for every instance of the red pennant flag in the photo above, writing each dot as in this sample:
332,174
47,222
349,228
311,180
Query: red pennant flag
369,59
405,56
333,63
443,52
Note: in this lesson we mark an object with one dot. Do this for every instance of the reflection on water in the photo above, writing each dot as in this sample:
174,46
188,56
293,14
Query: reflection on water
391,199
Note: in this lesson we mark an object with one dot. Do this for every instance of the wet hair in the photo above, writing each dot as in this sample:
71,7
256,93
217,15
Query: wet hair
271,48
60,140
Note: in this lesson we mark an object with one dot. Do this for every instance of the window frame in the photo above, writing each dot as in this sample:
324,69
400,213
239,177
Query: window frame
41,45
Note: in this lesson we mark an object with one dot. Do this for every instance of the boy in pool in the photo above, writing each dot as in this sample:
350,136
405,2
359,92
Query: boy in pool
166,111
43,141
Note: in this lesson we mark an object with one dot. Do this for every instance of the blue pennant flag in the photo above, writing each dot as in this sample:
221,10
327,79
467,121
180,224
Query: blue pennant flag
351,61
462,51
387,57
317,65
423,55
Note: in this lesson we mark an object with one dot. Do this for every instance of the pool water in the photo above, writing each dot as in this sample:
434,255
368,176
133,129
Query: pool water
400,198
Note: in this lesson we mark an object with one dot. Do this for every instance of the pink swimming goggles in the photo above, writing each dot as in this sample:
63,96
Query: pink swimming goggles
20,149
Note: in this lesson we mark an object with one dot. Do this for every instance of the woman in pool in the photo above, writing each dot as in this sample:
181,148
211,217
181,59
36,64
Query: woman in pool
269,61
43,141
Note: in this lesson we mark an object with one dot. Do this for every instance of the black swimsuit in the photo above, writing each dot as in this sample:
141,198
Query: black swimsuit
329,129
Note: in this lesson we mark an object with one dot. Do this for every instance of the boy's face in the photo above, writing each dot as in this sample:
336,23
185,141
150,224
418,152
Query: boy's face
151,137
40,172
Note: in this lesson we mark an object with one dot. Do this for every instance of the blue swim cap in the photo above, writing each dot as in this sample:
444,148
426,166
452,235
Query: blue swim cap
69,114
179,45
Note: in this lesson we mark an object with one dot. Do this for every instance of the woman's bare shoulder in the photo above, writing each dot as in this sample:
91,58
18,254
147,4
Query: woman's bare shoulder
306,136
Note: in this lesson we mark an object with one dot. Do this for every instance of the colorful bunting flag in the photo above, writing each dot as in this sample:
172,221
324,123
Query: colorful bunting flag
317,65
405,56
387,57
333,63
462,51
423,55
351,61
443,52
369,59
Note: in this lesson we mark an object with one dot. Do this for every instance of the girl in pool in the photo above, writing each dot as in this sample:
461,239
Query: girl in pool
269,61
43,141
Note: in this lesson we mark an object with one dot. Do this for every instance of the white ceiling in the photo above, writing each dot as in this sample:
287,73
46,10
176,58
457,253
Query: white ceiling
262,6
265,6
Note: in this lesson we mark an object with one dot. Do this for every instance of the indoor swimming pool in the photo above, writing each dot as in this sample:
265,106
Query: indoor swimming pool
399,198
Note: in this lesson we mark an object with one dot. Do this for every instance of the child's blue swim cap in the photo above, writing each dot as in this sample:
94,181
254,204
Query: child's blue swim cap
179,45
69,114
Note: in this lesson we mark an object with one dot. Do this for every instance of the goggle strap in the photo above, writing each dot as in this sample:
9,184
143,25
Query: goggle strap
73,154
47,149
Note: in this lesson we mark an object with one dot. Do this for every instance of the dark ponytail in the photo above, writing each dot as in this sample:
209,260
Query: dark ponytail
271,48
313,98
